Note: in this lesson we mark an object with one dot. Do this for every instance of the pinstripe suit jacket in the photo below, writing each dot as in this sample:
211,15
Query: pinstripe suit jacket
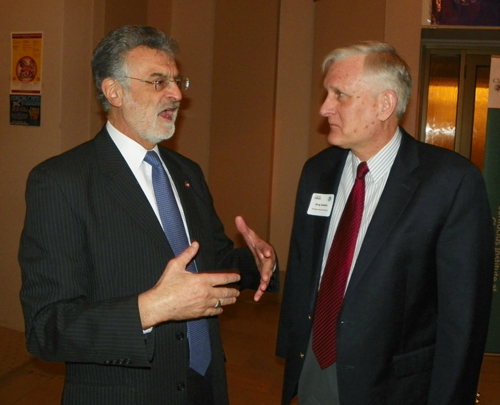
91,244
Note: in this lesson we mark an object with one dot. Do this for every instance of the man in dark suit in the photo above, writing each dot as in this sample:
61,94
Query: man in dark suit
414,302
103,289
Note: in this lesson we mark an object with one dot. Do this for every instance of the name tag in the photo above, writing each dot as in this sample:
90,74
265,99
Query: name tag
321,205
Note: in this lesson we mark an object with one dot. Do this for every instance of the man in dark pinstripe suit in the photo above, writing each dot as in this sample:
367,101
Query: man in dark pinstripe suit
102,289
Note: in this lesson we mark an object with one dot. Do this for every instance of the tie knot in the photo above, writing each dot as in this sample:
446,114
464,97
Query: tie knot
152,158
362,170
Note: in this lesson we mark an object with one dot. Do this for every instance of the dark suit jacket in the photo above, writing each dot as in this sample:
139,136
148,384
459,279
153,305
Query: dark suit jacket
414,319
91,244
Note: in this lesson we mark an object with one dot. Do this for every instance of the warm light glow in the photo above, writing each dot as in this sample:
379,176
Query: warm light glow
479,127
441,115
440,129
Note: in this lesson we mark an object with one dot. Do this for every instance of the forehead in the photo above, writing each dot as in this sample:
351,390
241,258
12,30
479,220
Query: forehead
149,62
345,72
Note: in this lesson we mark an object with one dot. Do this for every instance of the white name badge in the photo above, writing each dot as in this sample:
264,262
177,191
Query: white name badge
321,205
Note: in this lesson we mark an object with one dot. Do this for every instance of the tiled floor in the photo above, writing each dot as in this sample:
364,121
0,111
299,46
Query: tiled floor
254,373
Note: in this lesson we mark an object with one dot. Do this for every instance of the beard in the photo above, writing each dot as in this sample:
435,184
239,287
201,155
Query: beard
156,134
156,131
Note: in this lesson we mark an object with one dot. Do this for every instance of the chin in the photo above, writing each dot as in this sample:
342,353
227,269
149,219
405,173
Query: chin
334,138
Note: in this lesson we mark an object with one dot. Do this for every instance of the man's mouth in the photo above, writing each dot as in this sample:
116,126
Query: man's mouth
169,113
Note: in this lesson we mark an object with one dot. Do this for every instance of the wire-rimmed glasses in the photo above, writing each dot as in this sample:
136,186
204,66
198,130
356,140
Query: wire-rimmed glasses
162,84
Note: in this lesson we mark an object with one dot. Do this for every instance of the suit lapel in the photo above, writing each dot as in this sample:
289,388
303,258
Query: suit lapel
398,191
122,185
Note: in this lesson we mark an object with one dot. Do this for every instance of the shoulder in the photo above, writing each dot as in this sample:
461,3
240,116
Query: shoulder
438,171
434,159
77,165
73,160
326,159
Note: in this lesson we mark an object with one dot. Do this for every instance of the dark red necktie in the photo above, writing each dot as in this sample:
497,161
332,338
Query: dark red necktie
336,273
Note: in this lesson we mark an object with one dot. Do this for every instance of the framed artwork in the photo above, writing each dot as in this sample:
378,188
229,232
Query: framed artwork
466,12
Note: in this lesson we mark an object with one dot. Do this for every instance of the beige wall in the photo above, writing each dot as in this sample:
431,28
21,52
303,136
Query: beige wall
64,113
292,115
243,99
250,119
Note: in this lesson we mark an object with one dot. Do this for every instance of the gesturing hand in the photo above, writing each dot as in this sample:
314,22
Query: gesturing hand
181,295
263,252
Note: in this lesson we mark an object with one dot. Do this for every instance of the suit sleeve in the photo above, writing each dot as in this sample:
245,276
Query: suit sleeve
62,322
464,277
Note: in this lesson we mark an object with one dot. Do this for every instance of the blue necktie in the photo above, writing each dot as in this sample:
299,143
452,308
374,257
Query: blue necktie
198,337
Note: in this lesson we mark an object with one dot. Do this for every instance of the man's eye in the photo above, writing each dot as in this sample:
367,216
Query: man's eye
159,82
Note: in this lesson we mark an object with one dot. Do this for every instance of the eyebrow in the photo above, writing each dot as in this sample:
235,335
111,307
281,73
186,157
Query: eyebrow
336,89
162,76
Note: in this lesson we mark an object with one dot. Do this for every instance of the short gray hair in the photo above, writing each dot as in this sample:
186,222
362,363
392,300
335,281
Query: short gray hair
383,62
108,59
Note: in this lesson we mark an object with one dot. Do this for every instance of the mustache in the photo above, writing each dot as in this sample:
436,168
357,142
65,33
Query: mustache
170,106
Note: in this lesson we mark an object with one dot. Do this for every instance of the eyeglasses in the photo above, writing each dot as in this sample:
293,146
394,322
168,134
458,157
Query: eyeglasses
162,84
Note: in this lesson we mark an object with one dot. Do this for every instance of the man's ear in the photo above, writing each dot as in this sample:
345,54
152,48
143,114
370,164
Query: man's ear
112,91
388,102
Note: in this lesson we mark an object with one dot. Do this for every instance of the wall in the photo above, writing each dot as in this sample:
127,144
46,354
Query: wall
404,35
291,129
193,28
65,105
243,99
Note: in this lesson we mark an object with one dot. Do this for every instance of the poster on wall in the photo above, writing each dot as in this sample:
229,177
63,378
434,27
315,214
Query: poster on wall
466,12
492,177
26,78
25,110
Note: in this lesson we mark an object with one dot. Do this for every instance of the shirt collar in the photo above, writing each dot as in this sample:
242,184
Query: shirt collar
382,162
131,151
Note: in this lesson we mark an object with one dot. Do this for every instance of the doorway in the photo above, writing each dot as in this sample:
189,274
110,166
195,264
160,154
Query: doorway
454,85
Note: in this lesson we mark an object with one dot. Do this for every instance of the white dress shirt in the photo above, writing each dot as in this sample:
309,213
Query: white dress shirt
380,166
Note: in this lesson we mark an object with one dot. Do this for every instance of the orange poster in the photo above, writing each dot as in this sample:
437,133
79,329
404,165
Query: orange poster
26,76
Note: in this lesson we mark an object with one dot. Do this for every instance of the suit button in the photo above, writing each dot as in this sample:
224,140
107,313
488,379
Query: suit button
309,317
302,355
181,386
180,336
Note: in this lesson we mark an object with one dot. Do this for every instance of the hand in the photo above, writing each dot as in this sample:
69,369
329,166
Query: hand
180,295
263,252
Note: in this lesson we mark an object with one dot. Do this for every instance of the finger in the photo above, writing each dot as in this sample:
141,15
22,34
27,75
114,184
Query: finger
224,302
266,249
241,224
217,279
266,269
259,247
224,292
187,255
261,290
263,248
245,231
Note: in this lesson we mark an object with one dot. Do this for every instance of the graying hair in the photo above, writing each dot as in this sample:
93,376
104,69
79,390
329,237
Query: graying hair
108,59
383,64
